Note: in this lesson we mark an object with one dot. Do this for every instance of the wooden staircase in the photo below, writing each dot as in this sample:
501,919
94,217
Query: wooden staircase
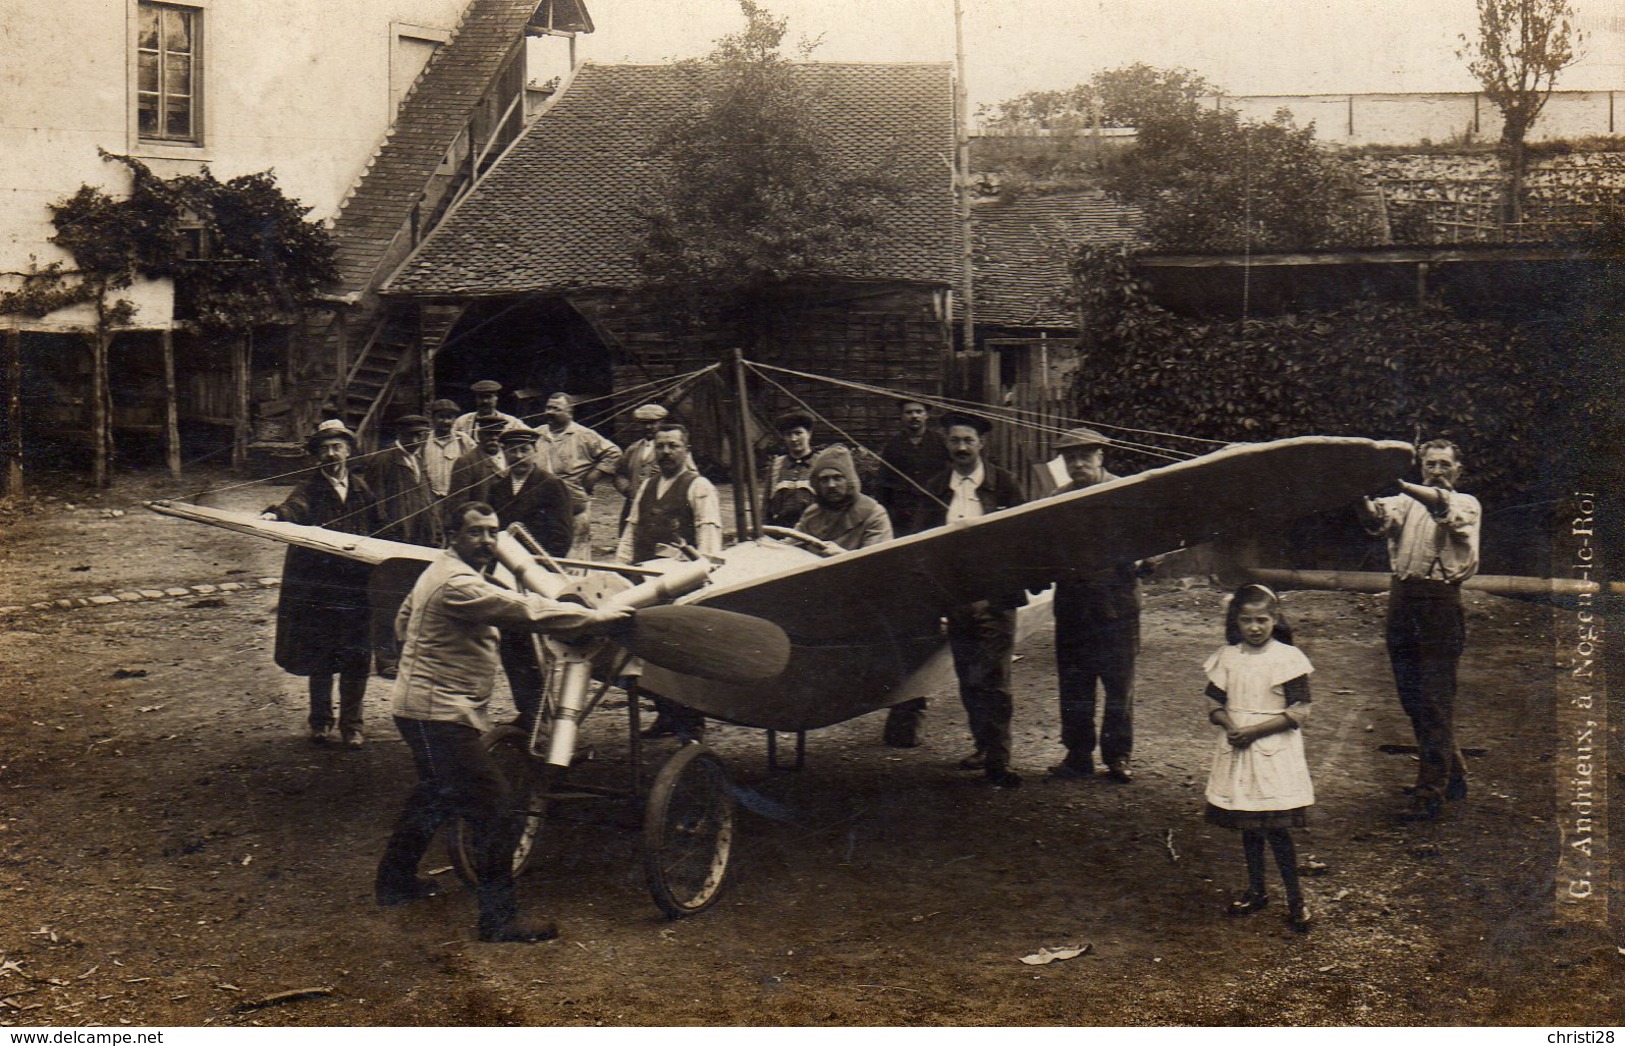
466,105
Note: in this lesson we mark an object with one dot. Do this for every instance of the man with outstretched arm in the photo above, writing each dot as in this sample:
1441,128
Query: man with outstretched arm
448,628
1432,531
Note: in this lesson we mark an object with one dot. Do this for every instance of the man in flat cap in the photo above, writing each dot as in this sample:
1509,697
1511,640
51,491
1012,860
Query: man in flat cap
982,634
322,606
578,456
787,488
530,495
398,477
487,394
1097,636
638,462
911,457
444,446
485,461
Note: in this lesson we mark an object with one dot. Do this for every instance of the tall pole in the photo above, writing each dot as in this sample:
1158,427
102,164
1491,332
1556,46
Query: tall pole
967,276
14,412
745,504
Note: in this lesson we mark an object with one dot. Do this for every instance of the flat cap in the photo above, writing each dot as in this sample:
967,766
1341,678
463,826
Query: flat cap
519,434
793,419
445,407
650,412
486,386
413,421
1081,438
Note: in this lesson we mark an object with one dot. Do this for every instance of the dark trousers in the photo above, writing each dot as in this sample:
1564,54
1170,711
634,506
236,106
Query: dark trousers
1094,644
456,778
352,667
1426,633
982,640
526,677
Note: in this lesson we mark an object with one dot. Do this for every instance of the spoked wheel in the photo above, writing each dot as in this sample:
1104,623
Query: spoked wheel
688,831
510,749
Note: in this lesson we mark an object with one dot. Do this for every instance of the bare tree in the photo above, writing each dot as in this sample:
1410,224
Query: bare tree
1522,45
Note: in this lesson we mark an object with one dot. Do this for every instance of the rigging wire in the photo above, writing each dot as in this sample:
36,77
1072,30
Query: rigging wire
1004,414
847,436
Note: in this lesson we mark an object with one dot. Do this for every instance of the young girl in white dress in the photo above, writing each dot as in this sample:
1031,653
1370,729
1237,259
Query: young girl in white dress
1260,779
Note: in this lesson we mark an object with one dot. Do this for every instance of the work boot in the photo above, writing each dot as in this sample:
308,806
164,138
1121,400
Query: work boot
393,895
1072,769
521,929
903,725
1118,769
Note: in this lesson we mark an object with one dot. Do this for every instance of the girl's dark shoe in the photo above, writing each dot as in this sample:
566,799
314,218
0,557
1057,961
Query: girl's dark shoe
1248,903
1299,917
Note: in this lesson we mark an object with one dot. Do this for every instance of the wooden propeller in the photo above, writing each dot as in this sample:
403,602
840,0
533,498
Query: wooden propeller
711,644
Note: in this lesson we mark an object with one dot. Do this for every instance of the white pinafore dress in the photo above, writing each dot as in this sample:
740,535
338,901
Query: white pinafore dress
1266,784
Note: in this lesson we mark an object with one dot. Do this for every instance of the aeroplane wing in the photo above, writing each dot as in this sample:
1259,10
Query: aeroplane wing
350,546
880,589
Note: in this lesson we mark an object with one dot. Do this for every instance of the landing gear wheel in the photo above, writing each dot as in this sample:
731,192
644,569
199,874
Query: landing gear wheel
510,750
688,830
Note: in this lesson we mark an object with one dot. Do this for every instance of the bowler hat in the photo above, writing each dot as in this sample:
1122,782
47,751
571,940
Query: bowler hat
980,424
1081,438
486,386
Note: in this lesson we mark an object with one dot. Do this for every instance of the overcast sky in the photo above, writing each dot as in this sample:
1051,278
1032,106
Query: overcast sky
1247,46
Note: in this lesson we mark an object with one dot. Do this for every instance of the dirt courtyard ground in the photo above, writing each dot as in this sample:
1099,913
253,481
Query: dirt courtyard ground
173,848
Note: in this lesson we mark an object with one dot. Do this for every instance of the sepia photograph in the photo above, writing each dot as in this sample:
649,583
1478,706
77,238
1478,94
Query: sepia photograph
811,514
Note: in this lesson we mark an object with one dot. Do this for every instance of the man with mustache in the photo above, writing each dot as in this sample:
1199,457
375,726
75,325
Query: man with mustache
448,630
1432,531
322,606
982,635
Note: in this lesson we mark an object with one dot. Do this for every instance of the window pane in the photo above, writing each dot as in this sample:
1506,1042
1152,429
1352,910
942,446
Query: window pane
148,119
177,74
148,36
179,124
177,30
147,75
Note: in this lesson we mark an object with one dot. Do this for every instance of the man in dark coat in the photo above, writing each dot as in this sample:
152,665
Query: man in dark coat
911,457
400,480
1097,637
471,471
539,501
397,476
981,635
322,612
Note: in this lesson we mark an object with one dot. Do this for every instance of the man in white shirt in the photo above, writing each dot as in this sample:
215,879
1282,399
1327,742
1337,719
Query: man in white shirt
444,446
487,394
1432,531
677,506
580,457
448,628
982,635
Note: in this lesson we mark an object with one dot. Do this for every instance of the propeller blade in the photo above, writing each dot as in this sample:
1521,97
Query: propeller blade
711,644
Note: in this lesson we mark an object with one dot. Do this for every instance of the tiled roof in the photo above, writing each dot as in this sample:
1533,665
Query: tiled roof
555,213
428,122
1021,253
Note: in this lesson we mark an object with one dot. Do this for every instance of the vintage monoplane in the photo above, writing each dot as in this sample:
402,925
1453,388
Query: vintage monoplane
777,637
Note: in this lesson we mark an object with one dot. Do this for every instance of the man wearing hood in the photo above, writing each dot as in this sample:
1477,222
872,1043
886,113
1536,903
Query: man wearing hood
842,515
